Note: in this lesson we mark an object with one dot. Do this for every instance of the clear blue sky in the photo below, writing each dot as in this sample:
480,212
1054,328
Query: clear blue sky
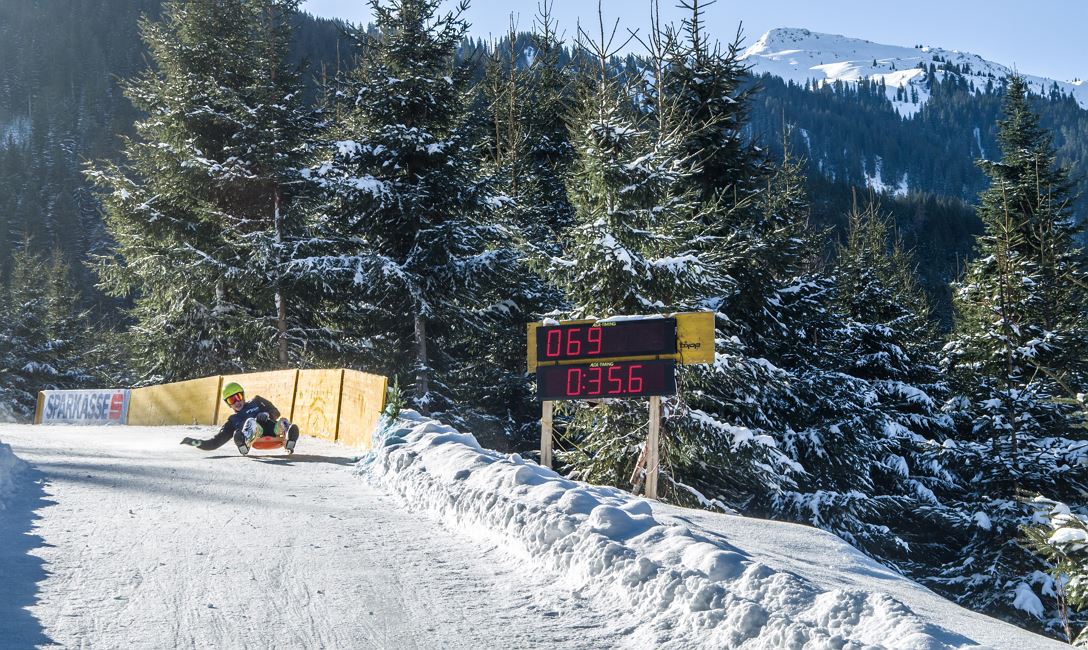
1042,37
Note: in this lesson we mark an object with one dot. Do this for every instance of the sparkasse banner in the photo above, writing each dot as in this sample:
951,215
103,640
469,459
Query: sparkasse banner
85,406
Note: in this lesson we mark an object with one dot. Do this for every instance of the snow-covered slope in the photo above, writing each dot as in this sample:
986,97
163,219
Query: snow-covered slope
685,579
120,538
801,55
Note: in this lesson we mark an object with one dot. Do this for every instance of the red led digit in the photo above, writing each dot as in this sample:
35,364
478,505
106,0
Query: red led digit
595,381
594,338
634,382
574,381
621,379
554,345
616,388
574,346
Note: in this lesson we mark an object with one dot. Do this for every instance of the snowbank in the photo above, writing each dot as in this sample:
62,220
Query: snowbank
679,585
10,466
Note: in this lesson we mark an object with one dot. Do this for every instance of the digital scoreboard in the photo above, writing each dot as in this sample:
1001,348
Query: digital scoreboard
606,340
607,379
620,357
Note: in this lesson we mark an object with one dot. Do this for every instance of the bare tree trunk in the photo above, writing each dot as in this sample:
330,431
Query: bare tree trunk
423,370
281,301
281,323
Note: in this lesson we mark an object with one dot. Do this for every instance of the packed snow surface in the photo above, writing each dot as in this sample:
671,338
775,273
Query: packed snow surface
118,537
801,55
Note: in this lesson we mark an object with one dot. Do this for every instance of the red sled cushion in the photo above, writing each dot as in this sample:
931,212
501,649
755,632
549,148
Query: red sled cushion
266,442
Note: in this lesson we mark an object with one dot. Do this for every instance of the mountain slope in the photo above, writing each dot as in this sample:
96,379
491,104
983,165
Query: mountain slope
916,147
801,55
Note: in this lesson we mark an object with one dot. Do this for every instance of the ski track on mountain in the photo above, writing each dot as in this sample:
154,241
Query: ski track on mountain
148,544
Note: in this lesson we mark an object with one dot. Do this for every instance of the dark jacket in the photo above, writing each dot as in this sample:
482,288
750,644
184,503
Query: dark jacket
234,423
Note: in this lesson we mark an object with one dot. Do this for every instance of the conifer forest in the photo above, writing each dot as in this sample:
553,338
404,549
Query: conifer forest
191,188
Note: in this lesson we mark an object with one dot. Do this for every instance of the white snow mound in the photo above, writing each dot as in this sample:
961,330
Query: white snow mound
10,466
678,585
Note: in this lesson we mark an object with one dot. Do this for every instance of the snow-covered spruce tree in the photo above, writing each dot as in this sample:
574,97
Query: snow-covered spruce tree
204,206
528,152
718,450
412,260
1015,351
781,375
642,246
708,84
892,339
890,343
1061,539
528,97
43,333
823,419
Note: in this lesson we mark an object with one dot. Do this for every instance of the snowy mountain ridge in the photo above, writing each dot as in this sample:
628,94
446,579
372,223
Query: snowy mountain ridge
800,55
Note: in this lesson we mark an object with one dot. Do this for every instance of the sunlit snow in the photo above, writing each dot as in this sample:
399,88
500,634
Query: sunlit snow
801,55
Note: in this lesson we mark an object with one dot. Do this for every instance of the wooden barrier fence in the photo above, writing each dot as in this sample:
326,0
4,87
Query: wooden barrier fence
339,405
185,402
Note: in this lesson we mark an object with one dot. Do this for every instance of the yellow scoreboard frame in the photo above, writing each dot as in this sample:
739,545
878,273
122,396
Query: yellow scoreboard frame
694,341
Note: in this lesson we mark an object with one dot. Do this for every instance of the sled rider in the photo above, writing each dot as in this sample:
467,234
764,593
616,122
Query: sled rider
251,418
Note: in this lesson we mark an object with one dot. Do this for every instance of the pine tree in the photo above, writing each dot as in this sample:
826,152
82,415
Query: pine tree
204,209
528,154
709,85
528,140
892,337
404,234
890,342
1016,349
719,449
822,417
1062,541
633,248
43,333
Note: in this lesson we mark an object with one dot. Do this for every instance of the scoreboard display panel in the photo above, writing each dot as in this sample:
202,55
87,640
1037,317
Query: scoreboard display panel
606,340
615,379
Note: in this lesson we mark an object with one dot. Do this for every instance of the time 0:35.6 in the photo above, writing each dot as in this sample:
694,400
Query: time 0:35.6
603,380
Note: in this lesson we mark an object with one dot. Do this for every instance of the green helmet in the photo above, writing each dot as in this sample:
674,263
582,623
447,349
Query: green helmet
232,388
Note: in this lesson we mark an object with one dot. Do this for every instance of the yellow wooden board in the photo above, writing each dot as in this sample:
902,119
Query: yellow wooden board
277,386
317,402
361,405
38,408
694,341
183,402
695,337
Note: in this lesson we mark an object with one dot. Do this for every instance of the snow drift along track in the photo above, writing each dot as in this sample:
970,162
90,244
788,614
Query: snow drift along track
118,537
690,579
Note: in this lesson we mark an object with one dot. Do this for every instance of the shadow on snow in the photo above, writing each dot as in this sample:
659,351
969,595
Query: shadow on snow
305,458
21,572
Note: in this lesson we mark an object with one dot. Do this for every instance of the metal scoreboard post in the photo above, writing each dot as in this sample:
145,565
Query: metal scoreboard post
619,357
